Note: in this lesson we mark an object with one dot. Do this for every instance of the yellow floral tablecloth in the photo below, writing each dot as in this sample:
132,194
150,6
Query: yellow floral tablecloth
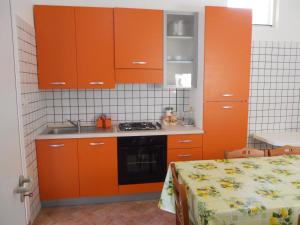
253,191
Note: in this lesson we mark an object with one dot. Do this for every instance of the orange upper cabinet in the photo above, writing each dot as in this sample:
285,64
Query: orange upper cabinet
225,128
95,47
227,53
98,169
58,169
138,45
56,46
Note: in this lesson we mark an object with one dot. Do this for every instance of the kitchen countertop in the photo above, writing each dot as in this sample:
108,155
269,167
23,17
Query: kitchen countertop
279,138
114,132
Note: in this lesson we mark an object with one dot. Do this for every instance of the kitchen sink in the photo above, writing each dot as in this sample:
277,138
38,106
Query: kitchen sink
63,130
74,130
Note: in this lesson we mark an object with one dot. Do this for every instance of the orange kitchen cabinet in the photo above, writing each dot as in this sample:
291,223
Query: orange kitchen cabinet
184,141
138,38
139,45
98,166
139,76
57,163
184,154
227,53
56,46
95,47
225,128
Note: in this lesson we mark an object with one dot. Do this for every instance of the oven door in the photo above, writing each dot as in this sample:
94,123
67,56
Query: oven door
142,164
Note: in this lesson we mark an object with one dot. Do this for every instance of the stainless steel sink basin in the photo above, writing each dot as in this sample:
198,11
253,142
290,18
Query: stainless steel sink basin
63,130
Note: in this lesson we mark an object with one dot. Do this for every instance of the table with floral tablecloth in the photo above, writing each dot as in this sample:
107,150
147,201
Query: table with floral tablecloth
248,191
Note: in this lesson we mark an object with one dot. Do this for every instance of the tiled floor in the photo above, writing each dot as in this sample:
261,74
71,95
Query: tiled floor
123,213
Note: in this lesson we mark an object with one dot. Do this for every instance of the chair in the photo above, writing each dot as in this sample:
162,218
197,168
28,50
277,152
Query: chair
182,216
285,150
244,153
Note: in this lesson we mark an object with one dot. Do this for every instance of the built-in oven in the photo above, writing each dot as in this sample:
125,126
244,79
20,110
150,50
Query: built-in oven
142,159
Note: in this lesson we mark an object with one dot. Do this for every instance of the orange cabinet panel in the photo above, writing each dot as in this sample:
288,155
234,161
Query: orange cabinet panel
98,166
140,188
139,76
138,38
184,154
225,128
227,53
56,46
95,47
184,141
57,162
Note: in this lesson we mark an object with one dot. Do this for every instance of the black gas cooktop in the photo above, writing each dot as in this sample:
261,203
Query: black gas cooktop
132,126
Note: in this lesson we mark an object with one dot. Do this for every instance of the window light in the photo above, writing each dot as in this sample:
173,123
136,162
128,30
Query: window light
262,10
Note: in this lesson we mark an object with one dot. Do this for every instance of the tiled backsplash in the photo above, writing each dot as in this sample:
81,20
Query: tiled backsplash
275,88
33,105
128,102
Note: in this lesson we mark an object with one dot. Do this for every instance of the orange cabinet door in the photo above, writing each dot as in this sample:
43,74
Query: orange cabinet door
57,162
227,53
185,141
98,166
56,47
225,128
95,47
184,154
138,38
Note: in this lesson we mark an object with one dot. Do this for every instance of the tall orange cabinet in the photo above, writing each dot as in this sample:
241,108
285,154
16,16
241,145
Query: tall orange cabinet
138,45
226,79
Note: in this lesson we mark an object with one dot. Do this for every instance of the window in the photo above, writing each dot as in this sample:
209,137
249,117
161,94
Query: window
262,10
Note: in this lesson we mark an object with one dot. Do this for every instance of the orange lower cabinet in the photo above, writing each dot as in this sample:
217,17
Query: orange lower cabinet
98,166
184,154
140,188
225,128
57,162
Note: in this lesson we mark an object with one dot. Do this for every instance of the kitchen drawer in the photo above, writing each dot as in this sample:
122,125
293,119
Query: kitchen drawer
184,141
184,154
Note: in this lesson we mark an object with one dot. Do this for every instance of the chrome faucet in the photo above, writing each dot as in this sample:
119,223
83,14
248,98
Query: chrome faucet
76,124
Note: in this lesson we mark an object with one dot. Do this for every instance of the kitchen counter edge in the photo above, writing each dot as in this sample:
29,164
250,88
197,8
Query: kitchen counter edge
165,131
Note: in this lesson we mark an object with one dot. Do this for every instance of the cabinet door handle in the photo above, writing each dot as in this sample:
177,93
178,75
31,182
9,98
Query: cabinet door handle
139,62
58,83
56,145
227,95
227,107
184,155
96,82
96,143
185,141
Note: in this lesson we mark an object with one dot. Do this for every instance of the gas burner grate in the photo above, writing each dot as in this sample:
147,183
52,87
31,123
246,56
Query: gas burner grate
137,126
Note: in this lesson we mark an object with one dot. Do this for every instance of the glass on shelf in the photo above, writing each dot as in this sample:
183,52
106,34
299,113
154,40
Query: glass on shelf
180,25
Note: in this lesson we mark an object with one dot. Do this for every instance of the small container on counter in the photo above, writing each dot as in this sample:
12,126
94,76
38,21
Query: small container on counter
108,122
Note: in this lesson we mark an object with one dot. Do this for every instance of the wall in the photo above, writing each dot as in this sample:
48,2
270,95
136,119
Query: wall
274,103
286,20
125,103
23,9
33,105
